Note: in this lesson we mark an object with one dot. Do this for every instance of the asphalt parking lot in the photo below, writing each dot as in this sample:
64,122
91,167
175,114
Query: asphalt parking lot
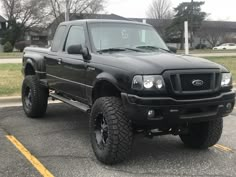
60,142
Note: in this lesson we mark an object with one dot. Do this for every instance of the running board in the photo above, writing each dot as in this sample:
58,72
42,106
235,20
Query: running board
79,105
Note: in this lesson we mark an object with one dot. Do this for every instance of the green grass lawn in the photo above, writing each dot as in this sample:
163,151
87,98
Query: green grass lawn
10,55
202,51
10,79
228,62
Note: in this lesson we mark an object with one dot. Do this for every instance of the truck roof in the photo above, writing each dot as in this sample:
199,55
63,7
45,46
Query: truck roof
74,22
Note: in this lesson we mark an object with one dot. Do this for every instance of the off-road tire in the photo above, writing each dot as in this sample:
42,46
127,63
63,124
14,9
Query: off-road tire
120,134
204,134
38,97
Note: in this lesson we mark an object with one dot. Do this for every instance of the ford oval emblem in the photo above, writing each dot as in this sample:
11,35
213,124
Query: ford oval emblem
197,83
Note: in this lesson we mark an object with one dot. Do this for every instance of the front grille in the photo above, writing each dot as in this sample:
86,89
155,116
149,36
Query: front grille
184,82
187,81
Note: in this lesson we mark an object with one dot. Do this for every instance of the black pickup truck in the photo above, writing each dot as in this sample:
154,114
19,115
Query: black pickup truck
125,77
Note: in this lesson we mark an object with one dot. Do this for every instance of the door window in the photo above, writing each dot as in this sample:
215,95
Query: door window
57,38
75,37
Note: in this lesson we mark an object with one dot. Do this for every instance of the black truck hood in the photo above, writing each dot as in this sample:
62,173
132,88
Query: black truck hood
157,63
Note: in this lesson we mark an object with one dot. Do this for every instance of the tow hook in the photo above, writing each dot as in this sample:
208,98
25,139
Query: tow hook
157,132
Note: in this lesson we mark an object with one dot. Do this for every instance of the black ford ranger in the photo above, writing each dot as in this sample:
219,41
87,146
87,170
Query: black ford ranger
124,76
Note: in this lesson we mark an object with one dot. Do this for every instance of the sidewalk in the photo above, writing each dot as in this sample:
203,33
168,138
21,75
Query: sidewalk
10,60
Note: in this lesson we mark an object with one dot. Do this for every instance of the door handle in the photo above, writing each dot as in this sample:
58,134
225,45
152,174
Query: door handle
59,61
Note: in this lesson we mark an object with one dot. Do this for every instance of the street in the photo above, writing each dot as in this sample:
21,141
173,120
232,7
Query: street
60,141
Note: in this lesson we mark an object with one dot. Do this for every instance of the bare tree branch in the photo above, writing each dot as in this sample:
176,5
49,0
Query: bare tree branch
212,35
160,9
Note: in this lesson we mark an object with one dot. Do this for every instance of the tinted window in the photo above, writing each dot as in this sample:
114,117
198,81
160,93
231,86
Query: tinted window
76,36
57,38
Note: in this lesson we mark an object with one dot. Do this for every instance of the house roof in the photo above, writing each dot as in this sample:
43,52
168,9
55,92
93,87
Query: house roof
231,26
2,19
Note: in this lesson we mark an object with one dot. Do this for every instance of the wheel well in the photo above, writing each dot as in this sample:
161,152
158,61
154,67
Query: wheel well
104,88
29,70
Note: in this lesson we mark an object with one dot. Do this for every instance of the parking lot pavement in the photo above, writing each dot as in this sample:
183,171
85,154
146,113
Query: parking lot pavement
61,143
12,163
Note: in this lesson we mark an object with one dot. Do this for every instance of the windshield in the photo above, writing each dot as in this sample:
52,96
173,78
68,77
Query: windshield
124,36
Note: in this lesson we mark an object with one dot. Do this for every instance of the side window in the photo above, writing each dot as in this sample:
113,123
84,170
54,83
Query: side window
75,37
57,38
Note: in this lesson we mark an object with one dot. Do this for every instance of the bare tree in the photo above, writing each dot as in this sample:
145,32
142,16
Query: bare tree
22,15
28,13
75,6
213,35
160,9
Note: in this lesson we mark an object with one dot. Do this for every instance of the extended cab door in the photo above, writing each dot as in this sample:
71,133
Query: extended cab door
54,60
73,65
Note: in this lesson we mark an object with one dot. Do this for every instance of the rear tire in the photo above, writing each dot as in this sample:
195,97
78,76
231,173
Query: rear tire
110,131
204,134
34,97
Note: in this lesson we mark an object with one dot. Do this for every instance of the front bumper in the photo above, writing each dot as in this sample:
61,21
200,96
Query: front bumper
172,112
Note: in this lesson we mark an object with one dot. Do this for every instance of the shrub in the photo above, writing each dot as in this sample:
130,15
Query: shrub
201,46
7,47
20,45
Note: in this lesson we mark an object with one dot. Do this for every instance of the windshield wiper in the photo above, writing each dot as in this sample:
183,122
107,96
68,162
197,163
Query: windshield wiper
149,47
118,49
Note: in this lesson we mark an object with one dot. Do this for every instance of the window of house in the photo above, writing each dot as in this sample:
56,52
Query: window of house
75,37
35,38
57,38
0,25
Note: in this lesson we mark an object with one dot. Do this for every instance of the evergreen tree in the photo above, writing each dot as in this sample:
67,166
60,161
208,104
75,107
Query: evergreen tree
185,11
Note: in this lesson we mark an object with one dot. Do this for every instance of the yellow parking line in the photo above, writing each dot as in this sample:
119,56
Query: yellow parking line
223,148
33,160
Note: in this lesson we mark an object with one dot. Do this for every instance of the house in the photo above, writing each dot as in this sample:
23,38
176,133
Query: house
36,36
53,26
2,29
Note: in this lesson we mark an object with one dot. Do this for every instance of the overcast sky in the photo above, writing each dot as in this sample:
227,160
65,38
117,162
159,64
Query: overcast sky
218,9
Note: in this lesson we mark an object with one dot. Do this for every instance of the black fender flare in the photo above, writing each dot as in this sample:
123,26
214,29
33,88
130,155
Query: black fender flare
36,61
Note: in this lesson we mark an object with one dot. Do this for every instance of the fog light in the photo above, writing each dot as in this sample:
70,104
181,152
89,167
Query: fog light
228,106
151,114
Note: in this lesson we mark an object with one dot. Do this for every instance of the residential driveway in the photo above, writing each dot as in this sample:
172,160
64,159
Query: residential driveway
61,143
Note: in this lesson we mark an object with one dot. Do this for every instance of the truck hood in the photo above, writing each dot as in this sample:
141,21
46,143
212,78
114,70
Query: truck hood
157,63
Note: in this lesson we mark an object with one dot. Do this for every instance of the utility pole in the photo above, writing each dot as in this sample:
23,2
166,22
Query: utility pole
67,10
186,46
191,25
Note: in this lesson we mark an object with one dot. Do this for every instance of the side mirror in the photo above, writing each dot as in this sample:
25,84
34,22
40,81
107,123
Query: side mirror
172,49
79,49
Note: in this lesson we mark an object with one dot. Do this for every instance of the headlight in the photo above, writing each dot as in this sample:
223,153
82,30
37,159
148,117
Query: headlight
154,82
226,79
148,82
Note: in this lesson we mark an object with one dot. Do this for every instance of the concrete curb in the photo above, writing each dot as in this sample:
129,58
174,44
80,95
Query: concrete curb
12,99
